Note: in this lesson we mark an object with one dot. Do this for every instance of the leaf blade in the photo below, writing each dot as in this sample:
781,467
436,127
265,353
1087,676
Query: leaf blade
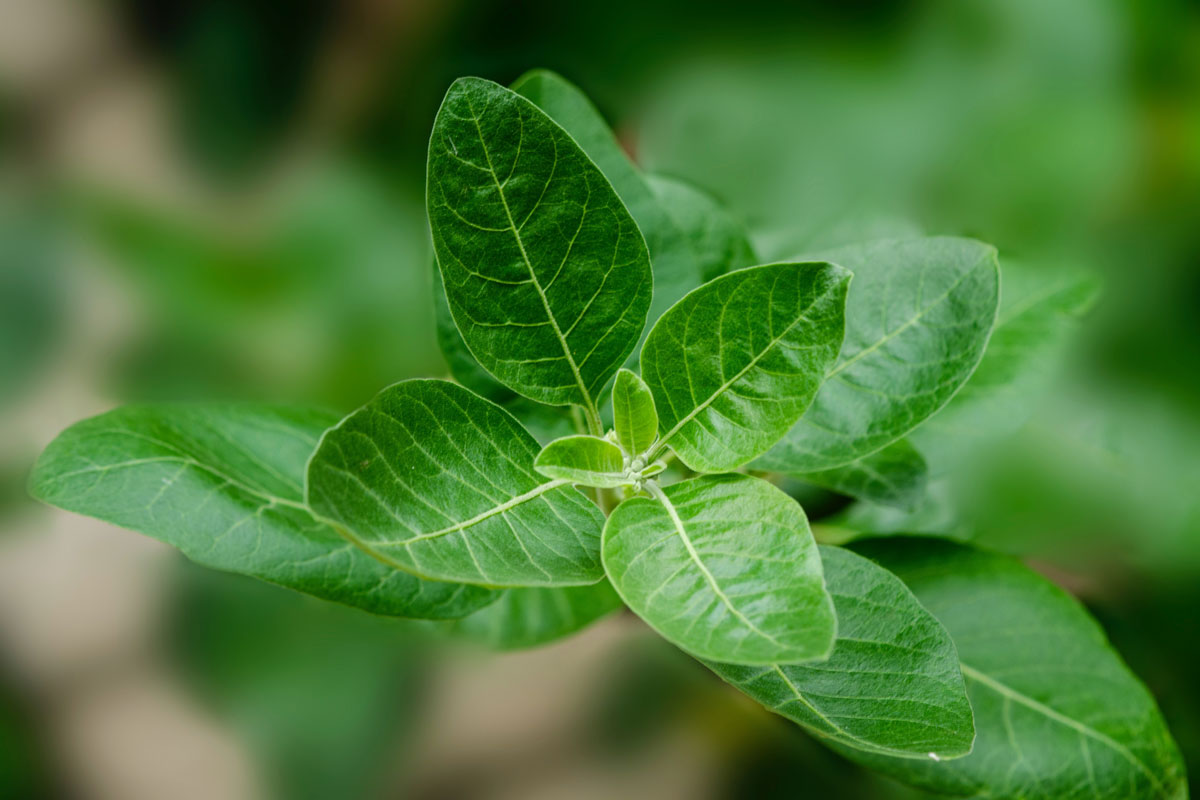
749,383
724,540
223,483
519,287
531,617
589,460
428,469
892,684
635,418
896,476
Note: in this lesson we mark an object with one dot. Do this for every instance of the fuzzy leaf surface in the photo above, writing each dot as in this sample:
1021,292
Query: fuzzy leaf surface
224,484
588,460
893,683
917,321
635,418
733,365
545,271
440,482
726,568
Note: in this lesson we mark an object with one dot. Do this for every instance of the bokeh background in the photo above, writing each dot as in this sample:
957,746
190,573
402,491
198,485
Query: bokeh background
215,199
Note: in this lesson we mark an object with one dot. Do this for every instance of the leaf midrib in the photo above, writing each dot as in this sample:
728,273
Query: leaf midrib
589,403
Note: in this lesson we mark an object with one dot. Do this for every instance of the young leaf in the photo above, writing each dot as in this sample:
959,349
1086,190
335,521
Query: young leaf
1058,713
440,482
224,485
634,416
677,269
530,617
1039,310
894,476
588,460
545,271
917,321
725,567
733,365
720,243
893,684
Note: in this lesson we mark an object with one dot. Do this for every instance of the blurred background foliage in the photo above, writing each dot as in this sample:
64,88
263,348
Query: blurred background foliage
224,199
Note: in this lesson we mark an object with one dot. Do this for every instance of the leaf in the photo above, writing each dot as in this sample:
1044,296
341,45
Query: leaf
634,416
1058,714
894,476
223,484
917,321
438,481
588,460
677,269
1039,311
892,684
462,365
735,363
724,567
718,240
545,271
524,618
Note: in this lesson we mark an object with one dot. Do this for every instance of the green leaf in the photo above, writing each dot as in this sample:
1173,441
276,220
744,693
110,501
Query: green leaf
224,485
440,482
677,269
734,364
1039,311
462,365
893,683
525,618
718,240
635,418
1058,714
894,476
917,321
725,567
545,271
589,460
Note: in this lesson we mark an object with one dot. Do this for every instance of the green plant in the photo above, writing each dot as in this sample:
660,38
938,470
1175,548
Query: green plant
948,667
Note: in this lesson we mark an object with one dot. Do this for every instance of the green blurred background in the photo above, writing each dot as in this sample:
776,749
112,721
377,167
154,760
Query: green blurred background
210,199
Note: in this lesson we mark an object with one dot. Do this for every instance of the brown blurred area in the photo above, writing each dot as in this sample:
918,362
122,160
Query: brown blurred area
212,199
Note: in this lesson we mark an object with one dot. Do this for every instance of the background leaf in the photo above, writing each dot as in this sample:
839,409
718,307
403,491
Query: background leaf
530,617
440,482
917,321
735,363
719,241
892,684
224,484
545,271
729,571
894,476
1058,714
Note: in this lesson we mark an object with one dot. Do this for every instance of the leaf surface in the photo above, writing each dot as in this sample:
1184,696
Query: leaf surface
1059,716
718,240
725,567
546,273
892,684
438,481
917,321
634,416
894,476
589,460
223,483
530,617
734,364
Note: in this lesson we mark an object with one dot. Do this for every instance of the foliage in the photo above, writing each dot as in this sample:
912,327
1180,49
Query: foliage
940,664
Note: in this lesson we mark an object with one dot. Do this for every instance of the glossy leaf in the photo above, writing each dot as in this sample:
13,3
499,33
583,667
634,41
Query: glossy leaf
587,460
1059,716
892,684
224,485
438,481
530,617
1039,311
634,416
546,273
734,364
917,321
725,567
677,269
894,476
718,240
